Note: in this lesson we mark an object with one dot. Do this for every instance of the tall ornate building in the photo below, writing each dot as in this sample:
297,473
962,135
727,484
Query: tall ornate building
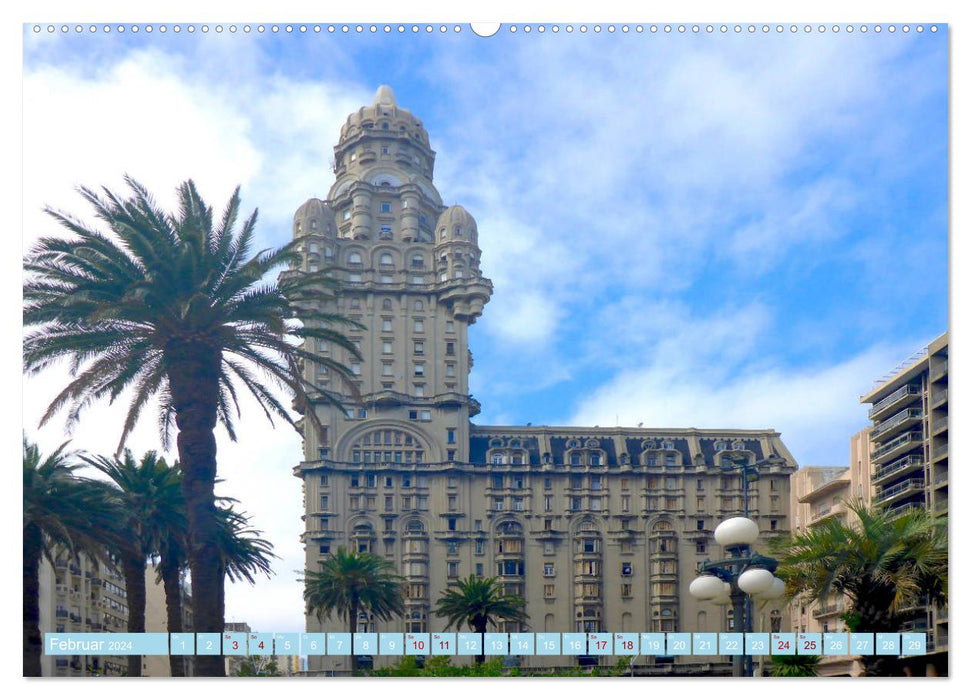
599,529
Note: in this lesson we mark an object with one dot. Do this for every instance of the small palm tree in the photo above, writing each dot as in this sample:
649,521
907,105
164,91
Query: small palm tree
60,510
354,583
176,307
880,564
152,511
794,666
477,603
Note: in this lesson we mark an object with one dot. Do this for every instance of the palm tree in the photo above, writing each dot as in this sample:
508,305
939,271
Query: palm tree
794,666
477,603
173,306
150,494
353,583
880,564
60,510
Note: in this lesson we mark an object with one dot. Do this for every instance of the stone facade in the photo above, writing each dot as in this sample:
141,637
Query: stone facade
599,529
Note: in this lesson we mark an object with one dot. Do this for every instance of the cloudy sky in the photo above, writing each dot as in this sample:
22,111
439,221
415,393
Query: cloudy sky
684,230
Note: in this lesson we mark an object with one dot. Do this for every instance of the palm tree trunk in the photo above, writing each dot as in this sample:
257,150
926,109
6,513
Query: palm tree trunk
193,381
173,608
479,625
33,546
353,626
133,568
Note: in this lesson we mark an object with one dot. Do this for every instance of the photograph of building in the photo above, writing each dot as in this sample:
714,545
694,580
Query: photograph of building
599,529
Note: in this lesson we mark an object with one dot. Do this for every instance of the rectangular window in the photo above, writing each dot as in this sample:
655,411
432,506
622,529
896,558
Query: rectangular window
594,504
449,348
576,482
547,483
701,547
549,569
419,326
452,548
386,347
406,502
323,502
478,570
452,502
449,370
325,549
497,504
355,503
419,348
388,504
386,326
355,480
626,569
356,368
419,370
700,525
595,483
625,504
576,503
517,504
626,547
450,326
549,590
497,481
451,436
385,207
478,524
548,503
479,547
386,369
453,569
323,480
624,484
548,548
419,390
452,482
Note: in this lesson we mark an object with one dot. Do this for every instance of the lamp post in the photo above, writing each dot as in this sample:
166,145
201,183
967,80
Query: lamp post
745,573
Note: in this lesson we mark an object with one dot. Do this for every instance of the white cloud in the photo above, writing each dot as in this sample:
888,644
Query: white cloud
814,408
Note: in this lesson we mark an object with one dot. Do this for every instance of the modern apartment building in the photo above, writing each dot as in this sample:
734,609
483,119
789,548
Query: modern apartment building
909,454
818,494
599,529
79,594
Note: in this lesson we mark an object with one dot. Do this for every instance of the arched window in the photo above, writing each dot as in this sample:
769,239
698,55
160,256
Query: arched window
386,259
354,259
417,262
415,526
386,304
419,305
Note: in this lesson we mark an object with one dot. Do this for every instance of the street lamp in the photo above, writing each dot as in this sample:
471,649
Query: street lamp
745,574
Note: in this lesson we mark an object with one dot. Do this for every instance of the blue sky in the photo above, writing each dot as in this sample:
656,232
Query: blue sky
724,230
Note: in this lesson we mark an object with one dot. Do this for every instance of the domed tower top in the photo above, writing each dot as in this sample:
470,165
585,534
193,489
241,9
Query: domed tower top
456,224
384,115
314,217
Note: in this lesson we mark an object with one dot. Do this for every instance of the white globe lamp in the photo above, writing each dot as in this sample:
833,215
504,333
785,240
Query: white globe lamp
736,531
775,591
725,597
706,587
756,581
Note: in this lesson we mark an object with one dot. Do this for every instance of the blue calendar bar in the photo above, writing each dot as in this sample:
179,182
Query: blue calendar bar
757,643
142,643
365,643
835,644
783,644
313,643
391,644
652,643
208,643
679,644
496,643
260,644
731,644
809,643
861,643
548,643
600,644
522,644
888,643
234,643
574,643
338,644
912,643
469,643
443,644
182,643
704,643
417,643
627,643
286,643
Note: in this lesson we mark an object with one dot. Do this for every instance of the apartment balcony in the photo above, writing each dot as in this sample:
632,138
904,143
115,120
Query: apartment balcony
939,371
897,447
938,398
320,534
905,487
910,463
828,610
827,511
939,453
905,508
896,423
940,506
940,479
939,426
901,397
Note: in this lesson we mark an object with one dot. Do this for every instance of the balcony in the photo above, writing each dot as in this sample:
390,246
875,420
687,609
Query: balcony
827,511
940,452
896,447
939,398
902,396
896,423
827,610
939,371
904,487
905,508
939,426
900,467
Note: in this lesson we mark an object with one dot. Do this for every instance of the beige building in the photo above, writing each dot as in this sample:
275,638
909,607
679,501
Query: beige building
909,451
79,594
156,620
818,494
600,529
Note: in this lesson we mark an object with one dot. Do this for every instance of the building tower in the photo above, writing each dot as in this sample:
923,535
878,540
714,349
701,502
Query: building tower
598,529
